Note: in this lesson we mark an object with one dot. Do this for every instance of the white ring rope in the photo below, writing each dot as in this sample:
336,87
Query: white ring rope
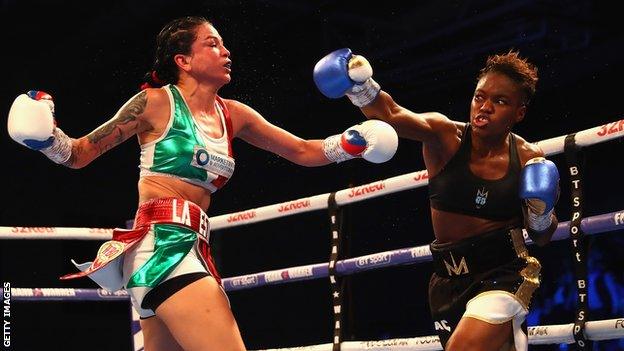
411,255
66,233
545,334
407,181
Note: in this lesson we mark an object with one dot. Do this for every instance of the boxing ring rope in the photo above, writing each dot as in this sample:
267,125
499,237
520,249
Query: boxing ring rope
411,255
596,330
60,233
540,335
552,146
403,182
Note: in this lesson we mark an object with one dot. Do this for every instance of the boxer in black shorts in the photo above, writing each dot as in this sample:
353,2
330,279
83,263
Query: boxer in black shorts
486,183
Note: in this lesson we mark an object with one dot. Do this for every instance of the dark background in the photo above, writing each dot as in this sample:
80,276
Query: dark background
91,57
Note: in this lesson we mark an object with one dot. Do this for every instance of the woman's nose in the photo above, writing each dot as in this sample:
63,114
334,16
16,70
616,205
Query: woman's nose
487,105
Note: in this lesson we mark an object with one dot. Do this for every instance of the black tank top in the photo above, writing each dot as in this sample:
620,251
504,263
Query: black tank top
456,189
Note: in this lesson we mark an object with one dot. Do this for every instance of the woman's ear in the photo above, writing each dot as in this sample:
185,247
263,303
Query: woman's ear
520,113
183,61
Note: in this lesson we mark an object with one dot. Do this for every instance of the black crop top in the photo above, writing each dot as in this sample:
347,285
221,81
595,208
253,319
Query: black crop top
456,189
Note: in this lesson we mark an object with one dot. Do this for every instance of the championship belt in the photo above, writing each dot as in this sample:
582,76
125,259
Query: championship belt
106,269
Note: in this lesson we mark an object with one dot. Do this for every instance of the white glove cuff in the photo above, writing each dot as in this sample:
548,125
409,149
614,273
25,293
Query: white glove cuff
61,148
363,94
333,151
539,223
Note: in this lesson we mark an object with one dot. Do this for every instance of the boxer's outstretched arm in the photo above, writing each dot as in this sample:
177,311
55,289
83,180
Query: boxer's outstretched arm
32,123
124,124
342,73
427,127
374,141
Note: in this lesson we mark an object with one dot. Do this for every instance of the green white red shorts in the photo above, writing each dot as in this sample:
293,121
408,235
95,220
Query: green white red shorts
169,239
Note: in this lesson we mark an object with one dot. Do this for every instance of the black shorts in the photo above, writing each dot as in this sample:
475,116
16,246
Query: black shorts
496,260
166,289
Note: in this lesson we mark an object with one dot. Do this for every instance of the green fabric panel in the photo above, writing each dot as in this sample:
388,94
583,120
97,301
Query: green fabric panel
171,244
174,153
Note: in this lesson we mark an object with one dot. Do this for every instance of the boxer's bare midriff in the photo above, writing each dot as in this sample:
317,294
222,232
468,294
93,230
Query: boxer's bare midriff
155,187
451,227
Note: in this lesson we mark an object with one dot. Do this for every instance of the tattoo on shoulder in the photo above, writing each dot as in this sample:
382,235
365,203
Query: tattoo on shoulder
127,114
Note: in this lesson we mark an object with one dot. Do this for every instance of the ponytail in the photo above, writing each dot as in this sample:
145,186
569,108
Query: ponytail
151,80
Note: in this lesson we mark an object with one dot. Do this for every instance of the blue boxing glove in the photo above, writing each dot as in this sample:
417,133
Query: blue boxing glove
341,73
539,187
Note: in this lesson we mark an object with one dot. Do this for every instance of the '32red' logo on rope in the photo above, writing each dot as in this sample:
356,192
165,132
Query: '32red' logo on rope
610,128
34,230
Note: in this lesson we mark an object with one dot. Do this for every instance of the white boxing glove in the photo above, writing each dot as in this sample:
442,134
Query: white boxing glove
373,140
31,123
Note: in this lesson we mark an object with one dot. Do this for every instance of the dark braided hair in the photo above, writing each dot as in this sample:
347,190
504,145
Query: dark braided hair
176,37
516,68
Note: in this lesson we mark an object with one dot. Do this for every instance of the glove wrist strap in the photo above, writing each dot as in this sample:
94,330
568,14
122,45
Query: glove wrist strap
363,94
61,148
333,151
539,223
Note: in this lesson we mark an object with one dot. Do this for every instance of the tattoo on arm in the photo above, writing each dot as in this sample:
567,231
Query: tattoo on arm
127,114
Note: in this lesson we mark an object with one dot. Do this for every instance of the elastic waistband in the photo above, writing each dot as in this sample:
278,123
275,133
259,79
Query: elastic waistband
173,210
479,253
